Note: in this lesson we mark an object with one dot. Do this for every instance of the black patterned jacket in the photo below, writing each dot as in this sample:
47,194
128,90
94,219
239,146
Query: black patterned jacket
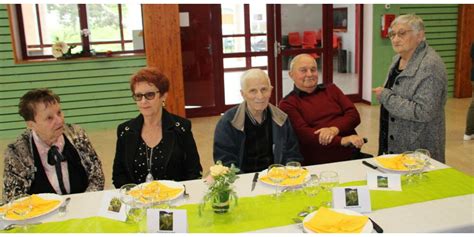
20,167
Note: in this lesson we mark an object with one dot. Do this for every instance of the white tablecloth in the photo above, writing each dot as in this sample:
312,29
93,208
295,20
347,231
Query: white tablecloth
455,214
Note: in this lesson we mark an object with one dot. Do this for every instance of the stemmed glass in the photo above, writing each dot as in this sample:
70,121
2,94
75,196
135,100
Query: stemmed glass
293,170
311,189
423,160
276,173
409,160
328,180
3,208
21,205
133,206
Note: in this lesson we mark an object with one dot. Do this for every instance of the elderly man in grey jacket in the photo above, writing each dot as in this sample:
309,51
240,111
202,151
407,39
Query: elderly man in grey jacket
255,134
414,95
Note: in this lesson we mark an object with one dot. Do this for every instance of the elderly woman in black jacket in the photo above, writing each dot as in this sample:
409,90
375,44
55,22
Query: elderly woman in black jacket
156,144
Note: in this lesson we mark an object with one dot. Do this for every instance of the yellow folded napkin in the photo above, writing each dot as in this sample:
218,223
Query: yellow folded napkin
287,181
156,191
329,221
3,209
39,206
393,163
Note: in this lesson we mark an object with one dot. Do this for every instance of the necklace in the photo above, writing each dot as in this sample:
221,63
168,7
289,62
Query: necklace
149,176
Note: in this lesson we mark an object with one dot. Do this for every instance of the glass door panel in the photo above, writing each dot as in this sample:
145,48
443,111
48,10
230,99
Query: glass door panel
345,48
301,27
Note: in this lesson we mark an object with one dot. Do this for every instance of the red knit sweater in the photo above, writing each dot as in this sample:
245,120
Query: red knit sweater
327,106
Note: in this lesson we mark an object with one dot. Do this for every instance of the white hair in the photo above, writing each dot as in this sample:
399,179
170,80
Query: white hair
295,59
253,73
414,21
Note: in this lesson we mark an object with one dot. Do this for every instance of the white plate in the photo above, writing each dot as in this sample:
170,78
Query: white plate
171,184
46,196
391,170
264,173
367,228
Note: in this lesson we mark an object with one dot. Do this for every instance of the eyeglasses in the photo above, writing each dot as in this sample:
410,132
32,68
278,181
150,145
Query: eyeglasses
400,34
148,96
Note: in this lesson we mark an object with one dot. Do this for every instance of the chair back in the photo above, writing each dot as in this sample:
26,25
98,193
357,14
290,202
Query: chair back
294,39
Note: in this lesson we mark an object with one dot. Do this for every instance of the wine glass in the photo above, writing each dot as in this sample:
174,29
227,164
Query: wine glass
328,180
293,170
423,160
311,189
3,208
21,206
276,173
409,160
127,199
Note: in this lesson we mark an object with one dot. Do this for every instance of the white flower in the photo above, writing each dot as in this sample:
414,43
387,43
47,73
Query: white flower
218,169
59,48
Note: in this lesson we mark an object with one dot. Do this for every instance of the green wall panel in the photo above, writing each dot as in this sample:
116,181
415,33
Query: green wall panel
441,34
94,93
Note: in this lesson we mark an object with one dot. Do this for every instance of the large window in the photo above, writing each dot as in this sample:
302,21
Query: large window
92,29
244,42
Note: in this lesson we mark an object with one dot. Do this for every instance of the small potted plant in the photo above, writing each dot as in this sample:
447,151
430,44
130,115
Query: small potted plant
221,193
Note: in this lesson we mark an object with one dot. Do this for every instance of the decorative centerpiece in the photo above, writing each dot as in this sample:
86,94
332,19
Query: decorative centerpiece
221,193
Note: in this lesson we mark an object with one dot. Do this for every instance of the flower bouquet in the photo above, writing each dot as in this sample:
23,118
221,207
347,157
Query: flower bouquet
61,50
220,193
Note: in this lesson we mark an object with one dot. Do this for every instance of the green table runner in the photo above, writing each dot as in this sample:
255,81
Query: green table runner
264,211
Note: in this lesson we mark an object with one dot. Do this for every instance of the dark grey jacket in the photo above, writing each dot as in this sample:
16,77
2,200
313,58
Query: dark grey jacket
416,104
229,137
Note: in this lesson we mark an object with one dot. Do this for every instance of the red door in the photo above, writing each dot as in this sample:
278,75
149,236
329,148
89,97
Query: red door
201,62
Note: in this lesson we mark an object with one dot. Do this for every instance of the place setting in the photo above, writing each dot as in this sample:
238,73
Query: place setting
287,177
26,210
133,202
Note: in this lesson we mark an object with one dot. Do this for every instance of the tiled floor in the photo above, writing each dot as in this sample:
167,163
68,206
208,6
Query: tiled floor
459,153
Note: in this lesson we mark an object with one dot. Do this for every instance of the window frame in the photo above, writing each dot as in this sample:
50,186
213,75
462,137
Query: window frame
248,53
85,42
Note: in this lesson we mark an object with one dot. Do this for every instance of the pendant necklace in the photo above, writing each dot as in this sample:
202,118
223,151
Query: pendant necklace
149,176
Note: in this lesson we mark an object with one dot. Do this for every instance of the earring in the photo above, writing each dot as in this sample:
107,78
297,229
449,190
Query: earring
163,103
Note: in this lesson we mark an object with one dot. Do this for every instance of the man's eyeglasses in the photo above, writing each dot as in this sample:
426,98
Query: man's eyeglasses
148,96
400,34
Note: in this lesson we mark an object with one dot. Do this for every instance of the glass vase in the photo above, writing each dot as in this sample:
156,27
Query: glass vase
221,202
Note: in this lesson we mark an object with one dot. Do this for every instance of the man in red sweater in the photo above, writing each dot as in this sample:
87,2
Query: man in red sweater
323,118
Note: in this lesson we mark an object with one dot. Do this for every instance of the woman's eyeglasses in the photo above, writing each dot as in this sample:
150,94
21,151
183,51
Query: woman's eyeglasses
400,34
148,96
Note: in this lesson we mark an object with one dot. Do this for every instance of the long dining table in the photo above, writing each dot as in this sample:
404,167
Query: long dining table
448,214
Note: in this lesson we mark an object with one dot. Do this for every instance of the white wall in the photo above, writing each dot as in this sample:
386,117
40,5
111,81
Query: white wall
367,54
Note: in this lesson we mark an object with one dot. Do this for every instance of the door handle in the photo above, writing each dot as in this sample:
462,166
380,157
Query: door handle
209,48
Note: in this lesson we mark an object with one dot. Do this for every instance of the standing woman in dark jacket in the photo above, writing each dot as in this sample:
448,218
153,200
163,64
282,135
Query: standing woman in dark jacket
156,145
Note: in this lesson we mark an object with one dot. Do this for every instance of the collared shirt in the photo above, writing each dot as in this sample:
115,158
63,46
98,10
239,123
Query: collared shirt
301,93
50,170
253,120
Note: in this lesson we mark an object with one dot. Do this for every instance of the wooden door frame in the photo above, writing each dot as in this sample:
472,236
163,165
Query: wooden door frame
465,37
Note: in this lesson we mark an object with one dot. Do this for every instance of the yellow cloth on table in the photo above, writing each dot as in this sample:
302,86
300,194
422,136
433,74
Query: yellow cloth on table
393,163
156,191
38,206
288,181
329,221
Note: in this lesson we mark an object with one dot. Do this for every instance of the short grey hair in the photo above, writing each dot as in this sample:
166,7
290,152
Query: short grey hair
293,61
414,21
253,73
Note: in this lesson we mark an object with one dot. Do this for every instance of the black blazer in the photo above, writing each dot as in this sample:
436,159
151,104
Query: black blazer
180,154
